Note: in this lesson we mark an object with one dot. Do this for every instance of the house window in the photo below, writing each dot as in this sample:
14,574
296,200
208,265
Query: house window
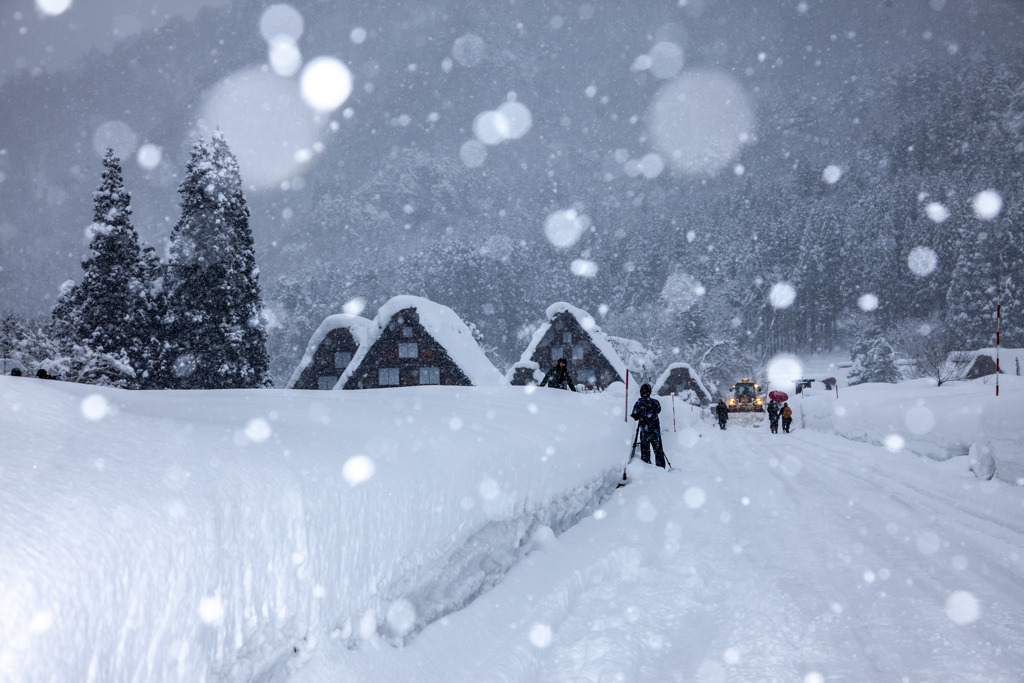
567,337
326,382
430,375
577,352
557,352
407,331
410,350
342,359
387,377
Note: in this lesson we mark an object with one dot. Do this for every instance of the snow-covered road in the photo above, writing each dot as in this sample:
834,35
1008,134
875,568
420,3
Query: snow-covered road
799,557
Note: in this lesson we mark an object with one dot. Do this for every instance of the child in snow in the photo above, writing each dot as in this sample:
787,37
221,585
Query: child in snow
645,411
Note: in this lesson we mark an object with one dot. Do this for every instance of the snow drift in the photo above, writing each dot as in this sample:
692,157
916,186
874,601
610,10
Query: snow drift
208,535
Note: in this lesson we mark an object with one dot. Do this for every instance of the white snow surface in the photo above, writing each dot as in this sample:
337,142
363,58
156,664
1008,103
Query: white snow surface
937,422
358,326
447,329
476,534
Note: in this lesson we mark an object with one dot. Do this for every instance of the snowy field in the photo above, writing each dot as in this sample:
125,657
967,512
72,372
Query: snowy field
447,534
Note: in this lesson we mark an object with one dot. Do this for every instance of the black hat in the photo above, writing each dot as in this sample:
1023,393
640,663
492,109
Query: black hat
645,390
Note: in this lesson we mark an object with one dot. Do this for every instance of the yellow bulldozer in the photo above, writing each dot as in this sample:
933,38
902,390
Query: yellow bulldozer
746,397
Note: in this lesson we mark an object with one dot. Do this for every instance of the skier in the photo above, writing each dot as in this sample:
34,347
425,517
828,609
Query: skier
645,411
723,413
787,417
558,377
773,417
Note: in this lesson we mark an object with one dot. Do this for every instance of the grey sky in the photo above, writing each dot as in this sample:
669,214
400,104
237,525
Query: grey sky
101,72
32,41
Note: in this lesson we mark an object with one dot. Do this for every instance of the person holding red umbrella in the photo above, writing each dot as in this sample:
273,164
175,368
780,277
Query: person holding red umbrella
774,411
773,416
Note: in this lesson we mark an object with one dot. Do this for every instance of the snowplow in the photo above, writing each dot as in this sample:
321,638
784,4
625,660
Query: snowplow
746,397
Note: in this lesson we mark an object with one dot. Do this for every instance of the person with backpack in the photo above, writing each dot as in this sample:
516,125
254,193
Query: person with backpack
558,377
645,411
722,411
773,416
787,417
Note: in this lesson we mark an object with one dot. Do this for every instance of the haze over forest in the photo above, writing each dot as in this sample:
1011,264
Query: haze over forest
698,174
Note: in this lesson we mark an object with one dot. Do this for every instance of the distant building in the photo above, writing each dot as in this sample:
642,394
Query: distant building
569,333
982,363
331,348
681,379
414,341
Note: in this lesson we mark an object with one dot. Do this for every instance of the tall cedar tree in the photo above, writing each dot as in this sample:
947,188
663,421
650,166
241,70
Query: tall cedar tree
214,329
110,312
971,299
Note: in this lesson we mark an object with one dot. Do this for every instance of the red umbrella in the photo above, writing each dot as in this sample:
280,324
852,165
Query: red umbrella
778,396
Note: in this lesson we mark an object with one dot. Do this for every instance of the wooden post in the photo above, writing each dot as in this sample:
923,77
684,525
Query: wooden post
625,416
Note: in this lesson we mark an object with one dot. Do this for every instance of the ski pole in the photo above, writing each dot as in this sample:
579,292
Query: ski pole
632,453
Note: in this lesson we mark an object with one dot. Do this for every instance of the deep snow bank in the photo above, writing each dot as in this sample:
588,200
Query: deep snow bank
940,422
204,535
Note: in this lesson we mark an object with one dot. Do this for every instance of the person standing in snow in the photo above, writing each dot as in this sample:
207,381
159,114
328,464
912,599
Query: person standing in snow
645,411
722,411
558,377
787,417
773,416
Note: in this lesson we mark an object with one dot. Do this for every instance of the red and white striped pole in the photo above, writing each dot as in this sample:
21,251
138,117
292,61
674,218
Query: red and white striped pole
673,411
999,307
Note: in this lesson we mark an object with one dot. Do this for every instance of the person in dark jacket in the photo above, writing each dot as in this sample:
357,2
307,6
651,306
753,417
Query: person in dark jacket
722,412
645,411
558,377
773,416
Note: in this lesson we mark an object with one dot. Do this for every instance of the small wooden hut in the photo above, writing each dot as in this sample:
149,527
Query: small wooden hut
681,379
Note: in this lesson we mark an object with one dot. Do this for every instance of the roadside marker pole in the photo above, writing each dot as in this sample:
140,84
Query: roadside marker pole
625,413
999,306
673,411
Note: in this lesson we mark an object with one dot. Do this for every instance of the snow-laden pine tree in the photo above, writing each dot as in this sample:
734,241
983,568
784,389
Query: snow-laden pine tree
873,358
215,335
109,314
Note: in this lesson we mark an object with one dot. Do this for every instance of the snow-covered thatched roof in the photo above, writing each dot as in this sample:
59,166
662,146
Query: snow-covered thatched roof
694,377
358,326
635,356
446,328
587,324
